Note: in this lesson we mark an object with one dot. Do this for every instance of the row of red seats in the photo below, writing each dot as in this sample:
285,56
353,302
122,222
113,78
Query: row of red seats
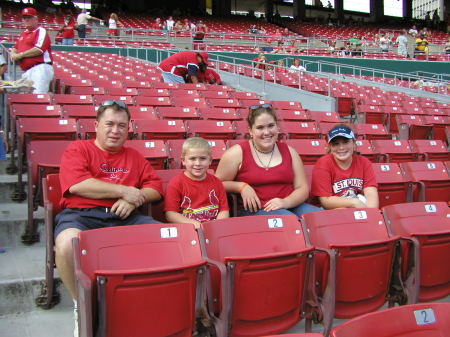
245,259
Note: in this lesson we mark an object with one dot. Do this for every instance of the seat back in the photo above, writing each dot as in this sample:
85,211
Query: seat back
394,150
393,186
433,180
414,320
153,150
309,150
259,252
429,223
430,149
145,276
361,252
159,129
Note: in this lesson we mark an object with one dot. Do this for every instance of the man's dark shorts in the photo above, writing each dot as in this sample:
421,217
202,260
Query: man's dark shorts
98,217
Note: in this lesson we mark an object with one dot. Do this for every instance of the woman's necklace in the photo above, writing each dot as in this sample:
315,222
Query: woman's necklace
257,156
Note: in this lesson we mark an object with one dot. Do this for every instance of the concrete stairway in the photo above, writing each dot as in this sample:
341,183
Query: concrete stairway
21,274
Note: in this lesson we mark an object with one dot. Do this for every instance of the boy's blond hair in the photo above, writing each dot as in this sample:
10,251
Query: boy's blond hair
195,143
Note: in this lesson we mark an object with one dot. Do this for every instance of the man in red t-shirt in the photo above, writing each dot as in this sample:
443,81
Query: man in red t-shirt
33,53
102,183
177,66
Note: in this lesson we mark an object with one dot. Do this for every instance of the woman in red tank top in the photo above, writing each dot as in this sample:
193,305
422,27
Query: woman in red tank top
268,174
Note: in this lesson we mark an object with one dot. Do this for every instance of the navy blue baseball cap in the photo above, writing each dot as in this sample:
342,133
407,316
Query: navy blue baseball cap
340,131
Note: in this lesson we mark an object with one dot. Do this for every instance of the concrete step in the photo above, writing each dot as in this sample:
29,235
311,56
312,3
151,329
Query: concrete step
13,219
8,186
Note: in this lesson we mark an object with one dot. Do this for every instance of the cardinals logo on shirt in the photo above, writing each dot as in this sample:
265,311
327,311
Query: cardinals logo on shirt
204,213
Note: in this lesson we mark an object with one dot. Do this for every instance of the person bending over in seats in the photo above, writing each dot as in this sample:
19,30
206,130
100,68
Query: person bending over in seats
421,45
267,174
210,76
341,178
177,66
33,53
195,196
102,184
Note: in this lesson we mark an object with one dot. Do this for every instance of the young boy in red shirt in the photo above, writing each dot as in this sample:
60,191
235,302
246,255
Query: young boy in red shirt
195,196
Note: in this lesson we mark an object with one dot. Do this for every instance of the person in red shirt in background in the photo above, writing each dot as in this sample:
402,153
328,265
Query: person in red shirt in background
157,24
175,68
199,35
33,53
210,76
67,31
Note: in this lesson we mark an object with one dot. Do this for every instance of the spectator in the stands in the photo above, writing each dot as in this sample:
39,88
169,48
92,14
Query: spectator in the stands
199,35
253,30
210,76
260,61
267,174
384,43
103,183
195,196
402,42
447,46
33,53
296,67
169,23
176,67
67,31
413,31
341,178
113,23
82,21
421,45
157,24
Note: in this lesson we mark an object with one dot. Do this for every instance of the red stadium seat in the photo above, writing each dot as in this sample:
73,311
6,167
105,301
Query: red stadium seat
394,151
364,148
430,150
249,256
393,185
66,99
99,99
228,114
431,179
324,116
127,291
152,92
43,158
309,150
426,229
287,105
353,264
177,112
224,103
427,320
142,112
159,129
51,191
293,115
152,101
153,150
299,130
197,102
87,91
210,129
412,127
439,124
79,111
371,131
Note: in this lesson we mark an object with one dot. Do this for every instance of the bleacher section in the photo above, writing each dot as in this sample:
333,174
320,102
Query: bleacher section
250,278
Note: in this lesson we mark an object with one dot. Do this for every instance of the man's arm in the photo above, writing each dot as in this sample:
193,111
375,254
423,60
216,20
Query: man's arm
27,53
92,188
